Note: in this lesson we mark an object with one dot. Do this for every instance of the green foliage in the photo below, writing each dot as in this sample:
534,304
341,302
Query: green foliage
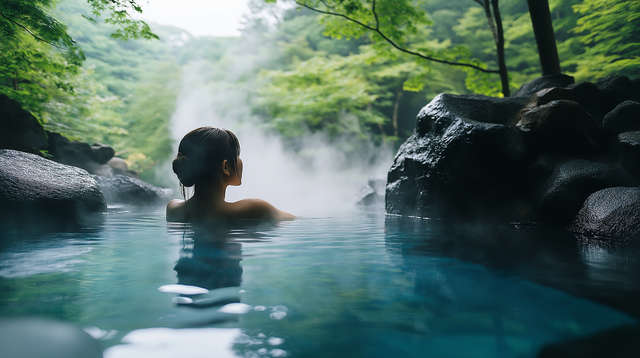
41,66
30,17
147,115
610,33
306,74
121,13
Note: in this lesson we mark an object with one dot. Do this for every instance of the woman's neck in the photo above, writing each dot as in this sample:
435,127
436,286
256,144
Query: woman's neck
210,195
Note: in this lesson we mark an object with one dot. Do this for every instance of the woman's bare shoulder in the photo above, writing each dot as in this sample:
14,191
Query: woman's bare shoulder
175,210
257,209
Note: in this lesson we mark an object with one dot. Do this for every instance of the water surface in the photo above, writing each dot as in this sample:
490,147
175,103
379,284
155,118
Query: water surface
363,284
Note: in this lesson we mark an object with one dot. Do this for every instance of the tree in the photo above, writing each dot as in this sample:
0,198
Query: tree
394,21
39,58
545,38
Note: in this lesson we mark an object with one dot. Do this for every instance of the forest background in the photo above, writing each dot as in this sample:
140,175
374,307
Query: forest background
294,72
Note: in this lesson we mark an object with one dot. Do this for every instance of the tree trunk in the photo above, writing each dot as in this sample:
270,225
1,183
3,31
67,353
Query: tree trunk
396,109
495,24
545,39
502,65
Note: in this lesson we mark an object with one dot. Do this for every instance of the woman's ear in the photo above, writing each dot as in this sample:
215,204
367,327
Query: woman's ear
225,168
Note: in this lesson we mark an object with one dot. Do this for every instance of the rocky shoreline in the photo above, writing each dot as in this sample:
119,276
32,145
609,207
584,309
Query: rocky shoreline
73,180
558,152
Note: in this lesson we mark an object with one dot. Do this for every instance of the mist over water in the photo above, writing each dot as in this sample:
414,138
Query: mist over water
315,180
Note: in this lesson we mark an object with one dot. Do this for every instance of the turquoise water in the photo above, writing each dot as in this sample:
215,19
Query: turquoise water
363,285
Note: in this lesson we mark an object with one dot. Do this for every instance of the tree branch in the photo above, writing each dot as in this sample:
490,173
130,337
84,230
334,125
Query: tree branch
35,36
375,14
393,43
490,21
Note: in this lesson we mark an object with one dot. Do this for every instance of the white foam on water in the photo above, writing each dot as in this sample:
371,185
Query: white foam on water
168,342
235,308
183,289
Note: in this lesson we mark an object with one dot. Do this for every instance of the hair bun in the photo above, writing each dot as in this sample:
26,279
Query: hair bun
183,170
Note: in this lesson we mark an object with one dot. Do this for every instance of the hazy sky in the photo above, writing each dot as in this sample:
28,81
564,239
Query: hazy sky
199,17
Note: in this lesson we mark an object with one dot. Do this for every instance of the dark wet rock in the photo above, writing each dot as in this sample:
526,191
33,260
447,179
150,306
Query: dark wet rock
610,213
543,82
456,164
81,155
560,126
19,129
547,95
592,99
628,144
120,166
128,190
619,342
445,109
101,153
32,186
624,117
570,184
37,337
617,89
372,193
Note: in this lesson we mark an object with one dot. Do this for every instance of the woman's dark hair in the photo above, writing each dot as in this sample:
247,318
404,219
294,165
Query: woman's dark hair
201,152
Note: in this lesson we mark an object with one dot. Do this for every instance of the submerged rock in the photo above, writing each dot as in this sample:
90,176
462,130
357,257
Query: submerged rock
19,129
611,213
127,190
32,186
456,164
618,342
37,337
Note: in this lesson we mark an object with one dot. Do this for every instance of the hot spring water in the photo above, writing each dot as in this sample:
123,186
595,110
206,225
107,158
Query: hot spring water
362,284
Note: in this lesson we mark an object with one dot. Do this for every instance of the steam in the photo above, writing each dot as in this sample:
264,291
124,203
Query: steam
317,180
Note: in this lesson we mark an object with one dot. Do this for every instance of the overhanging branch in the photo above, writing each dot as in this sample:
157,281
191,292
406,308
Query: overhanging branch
34,35
377,30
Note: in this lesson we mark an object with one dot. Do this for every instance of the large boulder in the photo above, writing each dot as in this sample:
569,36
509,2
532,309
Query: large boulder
463,159
570,184
547,95
19,129
92,158
560,126
32,187
624,117
628,144
122,189
37,337
617,89
101,153
543,82
612,213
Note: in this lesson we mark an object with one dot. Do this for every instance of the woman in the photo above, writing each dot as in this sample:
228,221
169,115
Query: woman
208,158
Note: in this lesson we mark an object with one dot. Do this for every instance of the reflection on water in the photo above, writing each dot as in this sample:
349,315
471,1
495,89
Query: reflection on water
361,285
210,260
